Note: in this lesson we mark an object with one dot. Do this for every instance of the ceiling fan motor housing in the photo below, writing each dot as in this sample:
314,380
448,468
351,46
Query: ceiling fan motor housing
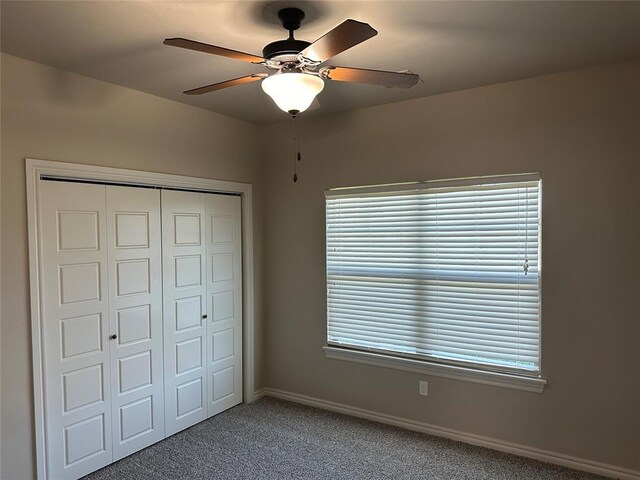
284,50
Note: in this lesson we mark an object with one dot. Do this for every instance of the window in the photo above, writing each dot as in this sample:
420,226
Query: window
445,272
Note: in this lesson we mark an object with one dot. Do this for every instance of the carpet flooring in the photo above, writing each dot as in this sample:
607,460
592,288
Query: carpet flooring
274,439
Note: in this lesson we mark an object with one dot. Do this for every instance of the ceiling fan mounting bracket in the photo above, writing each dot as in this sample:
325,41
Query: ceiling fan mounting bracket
291,19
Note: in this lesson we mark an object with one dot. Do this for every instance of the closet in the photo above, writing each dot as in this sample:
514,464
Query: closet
141,317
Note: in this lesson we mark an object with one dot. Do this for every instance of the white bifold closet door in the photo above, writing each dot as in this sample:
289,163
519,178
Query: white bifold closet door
135,317
102,324
75,328
183,252
202,306
141,317
224,302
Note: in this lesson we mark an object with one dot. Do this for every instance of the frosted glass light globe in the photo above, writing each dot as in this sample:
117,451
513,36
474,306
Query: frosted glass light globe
293,92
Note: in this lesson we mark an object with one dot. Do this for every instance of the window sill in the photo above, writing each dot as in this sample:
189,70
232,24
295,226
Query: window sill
497,379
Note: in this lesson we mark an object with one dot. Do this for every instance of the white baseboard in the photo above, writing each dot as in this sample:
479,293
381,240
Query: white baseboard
258,394
500,445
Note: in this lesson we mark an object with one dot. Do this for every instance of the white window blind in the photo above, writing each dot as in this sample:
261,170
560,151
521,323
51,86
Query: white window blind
442,273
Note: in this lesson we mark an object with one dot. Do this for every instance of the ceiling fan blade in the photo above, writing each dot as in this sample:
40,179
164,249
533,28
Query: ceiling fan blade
229,83
372,77
346,35
206,48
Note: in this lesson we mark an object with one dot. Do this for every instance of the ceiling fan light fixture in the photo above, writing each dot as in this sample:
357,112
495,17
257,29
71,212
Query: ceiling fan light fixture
292,92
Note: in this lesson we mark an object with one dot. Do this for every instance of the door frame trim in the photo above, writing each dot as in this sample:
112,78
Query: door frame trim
34,170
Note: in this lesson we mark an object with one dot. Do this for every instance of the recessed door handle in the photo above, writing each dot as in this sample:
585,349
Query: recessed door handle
114,336
204,316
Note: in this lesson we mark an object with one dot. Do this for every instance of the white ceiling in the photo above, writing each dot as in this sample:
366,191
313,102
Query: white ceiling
451,45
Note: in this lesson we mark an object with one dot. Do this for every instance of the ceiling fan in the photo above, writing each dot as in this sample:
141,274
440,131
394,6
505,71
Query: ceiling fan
298,70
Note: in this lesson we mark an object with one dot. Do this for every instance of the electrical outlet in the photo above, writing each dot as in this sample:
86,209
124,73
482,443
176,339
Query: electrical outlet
424,388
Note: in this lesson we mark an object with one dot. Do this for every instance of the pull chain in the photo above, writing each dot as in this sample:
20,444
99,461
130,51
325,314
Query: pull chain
296,149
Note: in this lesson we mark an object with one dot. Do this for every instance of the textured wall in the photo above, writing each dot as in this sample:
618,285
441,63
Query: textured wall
581,129
54,115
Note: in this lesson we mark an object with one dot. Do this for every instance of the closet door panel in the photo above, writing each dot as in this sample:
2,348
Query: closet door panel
75,328
141,317
135,318
183,245
224,297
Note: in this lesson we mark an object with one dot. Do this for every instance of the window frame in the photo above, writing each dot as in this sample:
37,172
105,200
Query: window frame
466,371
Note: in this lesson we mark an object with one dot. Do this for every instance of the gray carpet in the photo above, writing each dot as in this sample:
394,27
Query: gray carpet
274,439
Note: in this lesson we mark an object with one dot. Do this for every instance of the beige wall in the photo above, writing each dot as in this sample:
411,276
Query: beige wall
581,129
54,115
